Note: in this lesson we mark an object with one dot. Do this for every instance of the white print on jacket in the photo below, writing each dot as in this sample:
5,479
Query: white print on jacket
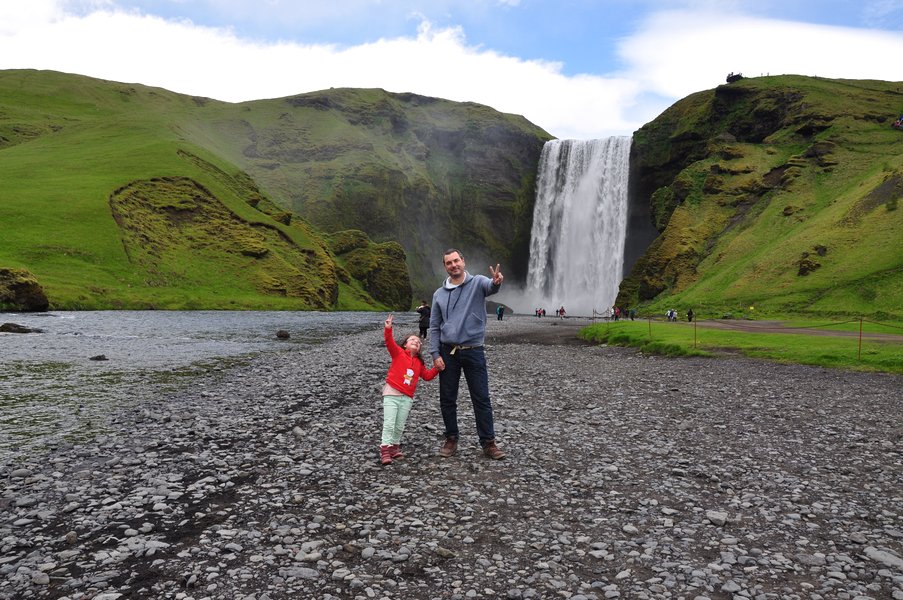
408,376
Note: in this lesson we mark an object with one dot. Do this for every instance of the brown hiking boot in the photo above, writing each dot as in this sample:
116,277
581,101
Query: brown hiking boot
448,448
492,451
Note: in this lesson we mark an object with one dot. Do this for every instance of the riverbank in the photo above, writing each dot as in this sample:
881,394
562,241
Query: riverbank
627,476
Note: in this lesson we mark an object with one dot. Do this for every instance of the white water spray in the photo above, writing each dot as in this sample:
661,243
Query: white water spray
579,226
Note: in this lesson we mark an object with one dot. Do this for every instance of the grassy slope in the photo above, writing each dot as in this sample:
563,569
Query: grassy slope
738,236
397,166
69,142
686,339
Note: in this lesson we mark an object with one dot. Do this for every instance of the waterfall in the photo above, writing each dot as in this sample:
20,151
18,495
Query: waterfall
579,225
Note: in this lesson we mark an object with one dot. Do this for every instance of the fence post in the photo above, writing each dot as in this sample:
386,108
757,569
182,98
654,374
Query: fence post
694,333
650,328
859,353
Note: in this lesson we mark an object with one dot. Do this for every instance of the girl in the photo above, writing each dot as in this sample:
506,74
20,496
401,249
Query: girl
398,392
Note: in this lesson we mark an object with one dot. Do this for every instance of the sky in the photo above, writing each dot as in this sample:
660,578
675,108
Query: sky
580,69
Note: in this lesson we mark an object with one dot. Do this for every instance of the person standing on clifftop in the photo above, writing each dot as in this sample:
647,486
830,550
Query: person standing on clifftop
457,331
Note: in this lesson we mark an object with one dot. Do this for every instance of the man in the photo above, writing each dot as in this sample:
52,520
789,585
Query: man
457,331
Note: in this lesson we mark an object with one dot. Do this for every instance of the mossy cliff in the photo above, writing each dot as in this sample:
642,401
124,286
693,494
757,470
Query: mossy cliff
125,196
424,172
776,193
20,291
380,268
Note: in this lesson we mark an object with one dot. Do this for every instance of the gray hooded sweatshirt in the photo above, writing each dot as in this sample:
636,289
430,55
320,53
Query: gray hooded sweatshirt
458,315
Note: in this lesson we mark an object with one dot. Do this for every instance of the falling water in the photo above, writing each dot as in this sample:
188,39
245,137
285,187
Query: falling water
579,225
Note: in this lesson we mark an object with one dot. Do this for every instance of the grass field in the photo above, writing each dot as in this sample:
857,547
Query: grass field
843,351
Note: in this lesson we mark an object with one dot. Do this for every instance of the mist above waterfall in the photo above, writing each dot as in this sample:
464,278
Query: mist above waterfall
579,227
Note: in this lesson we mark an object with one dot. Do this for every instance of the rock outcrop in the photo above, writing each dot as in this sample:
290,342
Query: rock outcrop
20,291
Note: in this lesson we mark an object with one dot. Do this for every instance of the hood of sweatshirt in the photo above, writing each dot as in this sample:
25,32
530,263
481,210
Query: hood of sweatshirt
450,286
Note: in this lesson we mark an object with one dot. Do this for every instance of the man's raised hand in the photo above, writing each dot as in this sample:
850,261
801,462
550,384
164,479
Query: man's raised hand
496,273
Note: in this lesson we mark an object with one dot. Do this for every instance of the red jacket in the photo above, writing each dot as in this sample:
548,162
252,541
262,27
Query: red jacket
405,369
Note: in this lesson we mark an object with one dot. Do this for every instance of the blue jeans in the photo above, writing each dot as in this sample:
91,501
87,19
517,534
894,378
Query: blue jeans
473,362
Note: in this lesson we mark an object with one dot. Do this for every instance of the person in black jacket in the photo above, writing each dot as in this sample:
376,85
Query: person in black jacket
424,310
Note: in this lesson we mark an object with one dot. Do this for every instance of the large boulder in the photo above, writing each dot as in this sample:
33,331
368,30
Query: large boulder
20,291
380,268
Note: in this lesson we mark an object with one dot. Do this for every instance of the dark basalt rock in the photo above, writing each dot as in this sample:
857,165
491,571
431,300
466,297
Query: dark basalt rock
16,328
20,291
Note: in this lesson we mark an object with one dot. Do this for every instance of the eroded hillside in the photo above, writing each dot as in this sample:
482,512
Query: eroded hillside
779,193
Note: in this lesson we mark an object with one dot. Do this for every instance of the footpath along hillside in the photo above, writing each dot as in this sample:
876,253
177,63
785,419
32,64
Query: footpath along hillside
627,476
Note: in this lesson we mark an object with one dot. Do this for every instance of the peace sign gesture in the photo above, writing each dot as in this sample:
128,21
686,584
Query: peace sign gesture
496,273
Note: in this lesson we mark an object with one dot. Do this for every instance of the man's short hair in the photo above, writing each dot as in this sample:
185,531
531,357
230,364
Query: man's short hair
452,251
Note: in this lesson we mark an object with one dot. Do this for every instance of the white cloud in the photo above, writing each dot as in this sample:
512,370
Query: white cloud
678,53
190,59
673,54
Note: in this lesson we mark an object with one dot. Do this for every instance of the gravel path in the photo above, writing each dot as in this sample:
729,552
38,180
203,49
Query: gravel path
627,477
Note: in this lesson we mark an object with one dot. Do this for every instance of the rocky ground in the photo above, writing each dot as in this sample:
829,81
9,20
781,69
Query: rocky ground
627,476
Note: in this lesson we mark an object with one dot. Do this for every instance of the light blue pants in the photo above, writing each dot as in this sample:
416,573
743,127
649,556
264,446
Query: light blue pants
395,415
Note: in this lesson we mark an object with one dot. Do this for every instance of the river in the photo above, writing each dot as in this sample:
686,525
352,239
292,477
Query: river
52,392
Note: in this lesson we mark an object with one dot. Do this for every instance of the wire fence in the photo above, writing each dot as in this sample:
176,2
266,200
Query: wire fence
767,327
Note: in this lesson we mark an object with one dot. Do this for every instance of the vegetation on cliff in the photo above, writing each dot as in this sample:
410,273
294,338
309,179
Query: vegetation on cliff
20,291
424,172
126,196
778,193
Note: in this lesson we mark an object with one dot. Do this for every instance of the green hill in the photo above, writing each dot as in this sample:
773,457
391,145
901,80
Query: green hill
428,173
777,193
126,196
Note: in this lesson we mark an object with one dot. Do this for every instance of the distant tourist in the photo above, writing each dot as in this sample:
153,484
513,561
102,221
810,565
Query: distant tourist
424,310
500,312
690,315
398,392
561,313
457,332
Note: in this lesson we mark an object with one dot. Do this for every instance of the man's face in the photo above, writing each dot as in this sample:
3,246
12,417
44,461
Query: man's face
454,264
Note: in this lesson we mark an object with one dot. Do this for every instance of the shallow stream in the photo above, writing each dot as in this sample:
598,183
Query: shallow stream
52,392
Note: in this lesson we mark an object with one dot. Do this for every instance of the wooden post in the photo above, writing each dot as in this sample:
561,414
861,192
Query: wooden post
859,354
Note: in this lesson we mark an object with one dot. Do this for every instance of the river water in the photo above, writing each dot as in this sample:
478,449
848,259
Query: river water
52,392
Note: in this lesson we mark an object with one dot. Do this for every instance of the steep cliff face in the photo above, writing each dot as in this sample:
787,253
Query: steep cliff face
425,172
773,191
